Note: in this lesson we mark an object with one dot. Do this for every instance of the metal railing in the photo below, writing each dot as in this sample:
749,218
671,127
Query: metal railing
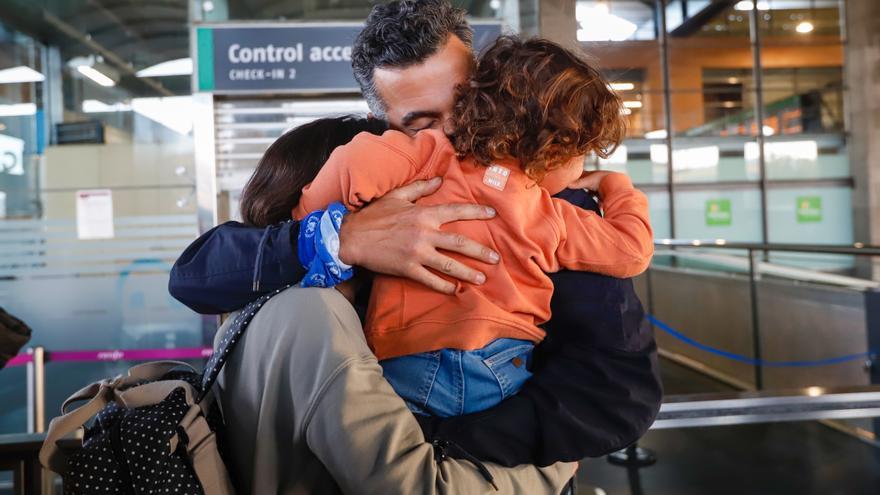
755,264
676,412
811,403
856,249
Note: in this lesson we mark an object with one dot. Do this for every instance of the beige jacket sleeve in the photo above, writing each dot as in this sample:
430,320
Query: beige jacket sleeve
370,442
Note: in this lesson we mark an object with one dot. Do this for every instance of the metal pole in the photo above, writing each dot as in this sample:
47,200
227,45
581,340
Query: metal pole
756,327
872,325
755,36
660,5
36,390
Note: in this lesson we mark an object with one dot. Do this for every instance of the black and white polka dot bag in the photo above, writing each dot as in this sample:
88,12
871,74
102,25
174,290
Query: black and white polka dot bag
150,431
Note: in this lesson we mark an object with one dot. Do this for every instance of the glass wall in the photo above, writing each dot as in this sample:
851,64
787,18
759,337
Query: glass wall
96,184
697,77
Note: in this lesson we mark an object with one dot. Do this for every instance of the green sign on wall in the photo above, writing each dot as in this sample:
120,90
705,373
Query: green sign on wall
809,209
718,213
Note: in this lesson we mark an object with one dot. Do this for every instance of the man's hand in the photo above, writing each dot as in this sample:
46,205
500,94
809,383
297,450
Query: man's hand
590,180
396,237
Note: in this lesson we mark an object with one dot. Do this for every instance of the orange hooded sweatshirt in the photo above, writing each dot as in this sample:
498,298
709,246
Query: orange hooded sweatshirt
533,232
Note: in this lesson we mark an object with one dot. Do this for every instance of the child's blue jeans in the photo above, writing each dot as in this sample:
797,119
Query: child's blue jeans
451,382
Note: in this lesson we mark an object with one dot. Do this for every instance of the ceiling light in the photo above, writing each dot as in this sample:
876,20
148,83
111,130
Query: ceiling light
658,134
178,67
732,80
597,24
625,86
96,76
18,109
729,104
495,4
632,104
20,74
804,27
748,5
625,111
98,106
208,6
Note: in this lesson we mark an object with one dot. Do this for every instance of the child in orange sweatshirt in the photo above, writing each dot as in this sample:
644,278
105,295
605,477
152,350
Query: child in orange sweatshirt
531,113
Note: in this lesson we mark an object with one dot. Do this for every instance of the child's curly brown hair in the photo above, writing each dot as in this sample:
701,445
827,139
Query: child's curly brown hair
539,103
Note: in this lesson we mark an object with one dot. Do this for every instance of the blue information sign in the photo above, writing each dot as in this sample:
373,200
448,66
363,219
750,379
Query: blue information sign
316,58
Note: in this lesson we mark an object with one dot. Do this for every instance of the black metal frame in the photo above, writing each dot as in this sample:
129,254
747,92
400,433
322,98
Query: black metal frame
762,183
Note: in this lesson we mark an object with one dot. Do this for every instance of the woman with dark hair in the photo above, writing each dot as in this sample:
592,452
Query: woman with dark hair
305,404
293,161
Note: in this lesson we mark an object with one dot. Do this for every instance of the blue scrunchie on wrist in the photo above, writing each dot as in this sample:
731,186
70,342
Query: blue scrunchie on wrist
318,248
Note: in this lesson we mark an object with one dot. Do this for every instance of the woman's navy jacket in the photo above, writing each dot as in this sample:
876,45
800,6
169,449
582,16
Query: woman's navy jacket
595,388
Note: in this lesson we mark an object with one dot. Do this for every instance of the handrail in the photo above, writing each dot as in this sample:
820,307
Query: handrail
857,249
811,403
777,270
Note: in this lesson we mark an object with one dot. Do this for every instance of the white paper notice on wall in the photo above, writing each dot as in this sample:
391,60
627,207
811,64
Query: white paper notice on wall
94,214
11,155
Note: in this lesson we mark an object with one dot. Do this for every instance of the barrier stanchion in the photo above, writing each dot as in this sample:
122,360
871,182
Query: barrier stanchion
36,390
35,360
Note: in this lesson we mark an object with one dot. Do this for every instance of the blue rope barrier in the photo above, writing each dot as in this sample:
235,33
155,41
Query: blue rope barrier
872,354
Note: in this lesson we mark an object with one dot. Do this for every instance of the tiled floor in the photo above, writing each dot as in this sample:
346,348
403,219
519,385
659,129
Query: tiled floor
766,459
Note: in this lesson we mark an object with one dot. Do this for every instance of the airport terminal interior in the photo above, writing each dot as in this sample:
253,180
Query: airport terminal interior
130,127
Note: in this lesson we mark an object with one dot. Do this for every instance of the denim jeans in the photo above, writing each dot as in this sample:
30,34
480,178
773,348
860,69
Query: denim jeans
451,382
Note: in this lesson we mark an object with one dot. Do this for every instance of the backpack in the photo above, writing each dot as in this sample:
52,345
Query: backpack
154,429
14,334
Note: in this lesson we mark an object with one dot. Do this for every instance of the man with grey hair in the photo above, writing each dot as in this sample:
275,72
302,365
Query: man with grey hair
595,387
